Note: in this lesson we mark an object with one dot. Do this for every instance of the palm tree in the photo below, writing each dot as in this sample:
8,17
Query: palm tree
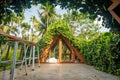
47,15
15,24
34,28
26,28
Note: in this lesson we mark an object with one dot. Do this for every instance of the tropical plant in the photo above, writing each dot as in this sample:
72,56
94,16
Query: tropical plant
34,29
102,52
47,16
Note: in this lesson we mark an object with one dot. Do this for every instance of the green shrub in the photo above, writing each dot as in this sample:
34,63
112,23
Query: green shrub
103,52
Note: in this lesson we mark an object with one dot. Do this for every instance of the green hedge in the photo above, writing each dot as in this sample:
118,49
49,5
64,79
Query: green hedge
59,27
103,53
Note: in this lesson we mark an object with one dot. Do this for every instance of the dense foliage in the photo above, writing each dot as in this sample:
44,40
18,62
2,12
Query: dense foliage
2,39
103,53
59,27
93,7
7,7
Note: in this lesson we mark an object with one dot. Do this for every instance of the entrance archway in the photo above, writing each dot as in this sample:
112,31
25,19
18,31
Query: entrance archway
58,39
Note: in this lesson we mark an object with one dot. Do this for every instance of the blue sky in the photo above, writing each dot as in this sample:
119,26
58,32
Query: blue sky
33,12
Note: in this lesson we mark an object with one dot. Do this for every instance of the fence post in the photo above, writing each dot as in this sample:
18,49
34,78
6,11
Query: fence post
33,58
24,59
38,57
25,51
14,61
30,56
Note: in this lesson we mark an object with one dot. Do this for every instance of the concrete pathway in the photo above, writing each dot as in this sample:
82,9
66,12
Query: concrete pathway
60,72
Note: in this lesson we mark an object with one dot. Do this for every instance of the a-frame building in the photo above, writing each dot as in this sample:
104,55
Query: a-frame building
74,53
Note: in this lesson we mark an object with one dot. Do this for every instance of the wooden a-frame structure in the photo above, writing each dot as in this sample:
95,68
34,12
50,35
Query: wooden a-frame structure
74,53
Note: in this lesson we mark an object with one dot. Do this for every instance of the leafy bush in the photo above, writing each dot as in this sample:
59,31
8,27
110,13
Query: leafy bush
59,27
103,52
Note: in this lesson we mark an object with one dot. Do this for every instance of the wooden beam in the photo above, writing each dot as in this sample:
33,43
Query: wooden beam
14,38
60,50
72,56
45,51
79,55
112,6
66,54
50,53
60,39
42,59
6,62
74,50
9,62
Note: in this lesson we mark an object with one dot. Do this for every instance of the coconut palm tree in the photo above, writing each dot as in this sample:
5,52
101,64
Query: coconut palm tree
14,25
26,28
34,29
47,16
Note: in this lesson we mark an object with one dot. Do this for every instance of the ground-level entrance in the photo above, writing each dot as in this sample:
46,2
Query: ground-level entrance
60,50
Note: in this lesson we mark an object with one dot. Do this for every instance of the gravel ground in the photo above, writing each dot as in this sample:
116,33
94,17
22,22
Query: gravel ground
60,72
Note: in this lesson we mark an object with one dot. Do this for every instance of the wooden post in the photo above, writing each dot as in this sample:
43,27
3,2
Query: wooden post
72,56
50,53
60,50
14,61
25,51
24,59
30,56
33,58
38,57
43,59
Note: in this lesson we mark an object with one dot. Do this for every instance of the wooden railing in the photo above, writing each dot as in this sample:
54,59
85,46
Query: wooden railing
26,44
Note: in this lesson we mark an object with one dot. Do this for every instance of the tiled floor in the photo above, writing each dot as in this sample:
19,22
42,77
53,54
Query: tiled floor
60,72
